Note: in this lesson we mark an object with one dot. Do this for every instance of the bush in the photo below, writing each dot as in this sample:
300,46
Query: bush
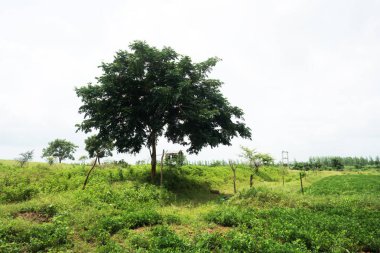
315,231
17,193
35,238
165,239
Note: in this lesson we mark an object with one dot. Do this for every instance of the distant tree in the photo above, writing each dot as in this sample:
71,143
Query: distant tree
371,161
60,149
98,148
265,159
377,161
50,160
256,160
337,164
25,157
148,93
83,159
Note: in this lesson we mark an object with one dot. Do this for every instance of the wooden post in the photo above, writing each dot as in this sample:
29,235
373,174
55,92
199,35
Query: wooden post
162,165
233,168
301,182
89,172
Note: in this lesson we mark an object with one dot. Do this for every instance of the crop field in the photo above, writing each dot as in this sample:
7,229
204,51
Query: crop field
44,209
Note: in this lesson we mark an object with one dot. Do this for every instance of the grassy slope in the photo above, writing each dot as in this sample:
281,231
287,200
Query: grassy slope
121,212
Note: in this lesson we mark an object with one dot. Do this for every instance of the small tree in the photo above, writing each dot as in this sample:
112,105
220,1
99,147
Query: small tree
61,149
50,160
233,168
97,148
264,159
83,159
302,175
25,157
255,160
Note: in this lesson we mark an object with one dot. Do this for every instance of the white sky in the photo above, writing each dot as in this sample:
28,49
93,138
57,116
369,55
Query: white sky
306,73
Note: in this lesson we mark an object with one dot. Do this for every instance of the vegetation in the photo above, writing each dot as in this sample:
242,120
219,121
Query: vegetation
61,149
25,157
147,93
353,162
42,208
255,160
98,148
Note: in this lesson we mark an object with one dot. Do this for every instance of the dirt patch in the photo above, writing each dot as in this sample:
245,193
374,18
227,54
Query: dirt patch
140,229
218,229
34,216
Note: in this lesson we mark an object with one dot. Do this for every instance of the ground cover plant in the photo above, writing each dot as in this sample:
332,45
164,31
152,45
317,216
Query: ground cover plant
44,209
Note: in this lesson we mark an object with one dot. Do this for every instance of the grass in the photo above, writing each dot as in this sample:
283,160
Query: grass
42,208
347,185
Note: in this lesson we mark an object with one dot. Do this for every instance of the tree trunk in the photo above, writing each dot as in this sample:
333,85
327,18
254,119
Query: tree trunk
89,172
153,162
233,168
301,183
162,166
59,159
251,181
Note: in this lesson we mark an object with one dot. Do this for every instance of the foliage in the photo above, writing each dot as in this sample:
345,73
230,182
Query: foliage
357,162
121,163
346,185
25,157
337,164
33,238
330,231
122,212
306,166
147,93
61,149
97,147
256,159
83,159
175,160
50,160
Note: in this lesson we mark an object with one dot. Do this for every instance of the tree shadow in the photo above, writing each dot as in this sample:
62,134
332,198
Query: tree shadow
187,190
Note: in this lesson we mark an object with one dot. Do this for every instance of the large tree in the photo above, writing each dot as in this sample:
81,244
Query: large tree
61,149
147,93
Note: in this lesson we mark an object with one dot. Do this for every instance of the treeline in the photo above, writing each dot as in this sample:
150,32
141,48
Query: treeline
347,161
338,163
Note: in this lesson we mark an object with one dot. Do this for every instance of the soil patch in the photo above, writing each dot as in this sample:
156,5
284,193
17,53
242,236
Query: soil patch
34,216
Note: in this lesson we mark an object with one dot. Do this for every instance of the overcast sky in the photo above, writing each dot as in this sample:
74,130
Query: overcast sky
306,73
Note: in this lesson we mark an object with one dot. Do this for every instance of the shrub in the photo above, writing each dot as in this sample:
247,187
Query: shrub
17,193
165,239
25,157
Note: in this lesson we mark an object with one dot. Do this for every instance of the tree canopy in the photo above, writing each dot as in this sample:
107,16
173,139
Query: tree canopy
98,148
147,93
256,159
61,149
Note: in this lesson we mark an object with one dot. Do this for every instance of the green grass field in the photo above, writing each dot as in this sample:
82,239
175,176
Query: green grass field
44,209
